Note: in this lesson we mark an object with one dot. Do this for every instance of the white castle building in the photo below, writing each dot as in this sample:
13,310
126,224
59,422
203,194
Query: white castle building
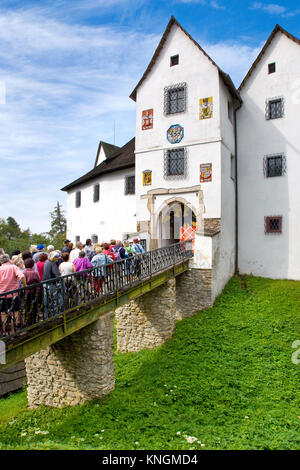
206,157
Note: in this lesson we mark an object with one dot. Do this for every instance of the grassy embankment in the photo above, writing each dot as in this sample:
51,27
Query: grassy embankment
224,381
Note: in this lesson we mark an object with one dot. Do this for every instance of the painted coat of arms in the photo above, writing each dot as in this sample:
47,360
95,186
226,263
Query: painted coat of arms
205,172
206,108
175,133
147,178
147,119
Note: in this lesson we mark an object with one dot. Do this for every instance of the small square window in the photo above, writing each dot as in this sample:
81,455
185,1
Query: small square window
78,199
273,224
77,238
96,193
174,60
274,165
129,185
272,67
274,108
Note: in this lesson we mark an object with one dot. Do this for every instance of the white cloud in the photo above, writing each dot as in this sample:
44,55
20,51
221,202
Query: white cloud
270,8
212,3
65,87
234,58
66,84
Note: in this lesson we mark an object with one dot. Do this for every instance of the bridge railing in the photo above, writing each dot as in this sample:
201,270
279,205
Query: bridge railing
23,309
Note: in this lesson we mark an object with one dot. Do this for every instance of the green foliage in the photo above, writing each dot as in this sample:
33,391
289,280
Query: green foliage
225,378
12,237
58,226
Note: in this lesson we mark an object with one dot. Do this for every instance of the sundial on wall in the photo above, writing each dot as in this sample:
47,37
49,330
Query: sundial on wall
175,133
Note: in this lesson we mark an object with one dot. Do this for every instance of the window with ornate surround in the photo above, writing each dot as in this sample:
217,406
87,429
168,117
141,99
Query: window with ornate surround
274,165
273,224
175,163
129,185
175,97
274,108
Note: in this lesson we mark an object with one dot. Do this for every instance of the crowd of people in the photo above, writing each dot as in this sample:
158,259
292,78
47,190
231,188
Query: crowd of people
41,263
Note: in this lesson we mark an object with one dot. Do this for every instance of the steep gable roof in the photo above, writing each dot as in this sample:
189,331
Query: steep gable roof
109,150
270,39
122,158
226,78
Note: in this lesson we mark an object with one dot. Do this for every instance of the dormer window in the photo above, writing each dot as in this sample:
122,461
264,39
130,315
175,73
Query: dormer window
272,67
174,60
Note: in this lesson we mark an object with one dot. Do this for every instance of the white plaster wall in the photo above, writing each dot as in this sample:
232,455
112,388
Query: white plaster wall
201,138
196,154
225,267
202,80
111,217
272,255
101,156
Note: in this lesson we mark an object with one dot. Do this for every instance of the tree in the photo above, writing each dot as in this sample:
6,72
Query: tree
58,226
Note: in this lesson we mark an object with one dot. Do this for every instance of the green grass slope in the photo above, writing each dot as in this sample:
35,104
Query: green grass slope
224,381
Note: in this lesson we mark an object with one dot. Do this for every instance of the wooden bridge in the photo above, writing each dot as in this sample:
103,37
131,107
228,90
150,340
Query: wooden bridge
63,327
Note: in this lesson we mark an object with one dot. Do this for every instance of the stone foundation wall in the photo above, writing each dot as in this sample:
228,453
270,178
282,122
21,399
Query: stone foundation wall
74,370
193,292
147,321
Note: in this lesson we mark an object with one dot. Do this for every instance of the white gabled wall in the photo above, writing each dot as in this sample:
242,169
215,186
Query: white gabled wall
270,255
206,141
111,217
201,138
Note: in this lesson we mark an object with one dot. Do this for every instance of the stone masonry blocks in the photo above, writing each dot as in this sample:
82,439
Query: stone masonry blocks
74,370
147,321
193,292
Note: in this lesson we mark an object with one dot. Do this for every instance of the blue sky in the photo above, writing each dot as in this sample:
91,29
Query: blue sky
67,69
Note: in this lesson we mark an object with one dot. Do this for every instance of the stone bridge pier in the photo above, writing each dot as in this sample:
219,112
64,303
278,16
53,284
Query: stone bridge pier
74,370
80,367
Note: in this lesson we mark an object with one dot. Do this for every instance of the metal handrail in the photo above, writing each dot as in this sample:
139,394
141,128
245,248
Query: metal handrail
22,309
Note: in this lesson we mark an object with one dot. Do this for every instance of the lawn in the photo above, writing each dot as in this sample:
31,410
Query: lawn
225,380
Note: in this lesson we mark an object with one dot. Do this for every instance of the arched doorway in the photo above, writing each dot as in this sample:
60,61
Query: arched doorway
171,220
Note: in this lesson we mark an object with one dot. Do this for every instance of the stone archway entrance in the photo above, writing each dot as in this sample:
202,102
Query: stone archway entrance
171,219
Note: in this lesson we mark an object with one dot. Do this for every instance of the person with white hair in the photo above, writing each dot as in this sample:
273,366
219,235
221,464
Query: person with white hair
50,248
75,252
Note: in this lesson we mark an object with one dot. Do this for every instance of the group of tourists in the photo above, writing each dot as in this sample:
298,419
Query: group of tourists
41,263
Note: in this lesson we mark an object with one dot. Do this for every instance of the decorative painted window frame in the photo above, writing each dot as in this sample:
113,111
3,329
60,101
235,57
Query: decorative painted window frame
267,112
267,225
166,97
166,164
265,164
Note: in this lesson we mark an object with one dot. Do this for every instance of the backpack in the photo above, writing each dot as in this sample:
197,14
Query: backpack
138,249
116,252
